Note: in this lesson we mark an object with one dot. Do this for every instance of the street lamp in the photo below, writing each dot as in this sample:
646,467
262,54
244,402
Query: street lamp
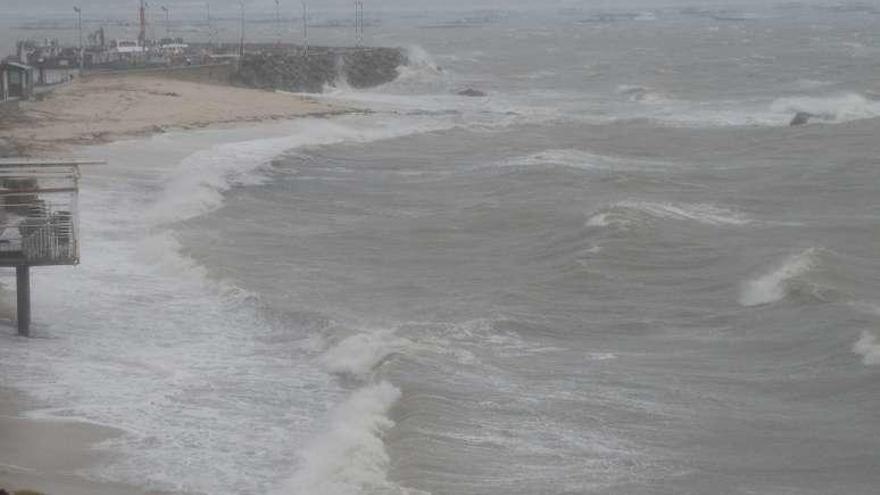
167,21
305,28
358,22
278,22
241,39
79,28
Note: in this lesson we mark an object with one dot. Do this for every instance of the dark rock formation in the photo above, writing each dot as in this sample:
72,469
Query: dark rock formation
471,92
301,72
801,118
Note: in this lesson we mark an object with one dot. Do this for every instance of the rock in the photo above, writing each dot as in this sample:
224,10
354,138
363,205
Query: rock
471,92
801,118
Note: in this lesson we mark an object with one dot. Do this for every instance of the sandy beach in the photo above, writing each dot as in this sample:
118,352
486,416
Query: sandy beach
49,456
105,108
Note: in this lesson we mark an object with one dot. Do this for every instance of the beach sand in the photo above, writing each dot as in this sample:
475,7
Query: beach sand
105,108
47,455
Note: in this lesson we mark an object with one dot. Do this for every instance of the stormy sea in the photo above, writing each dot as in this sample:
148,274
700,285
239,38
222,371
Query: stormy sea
619,271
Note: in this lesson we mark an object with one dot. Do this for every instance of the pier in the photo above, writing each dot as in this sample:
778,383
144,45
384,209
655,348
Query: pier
39,221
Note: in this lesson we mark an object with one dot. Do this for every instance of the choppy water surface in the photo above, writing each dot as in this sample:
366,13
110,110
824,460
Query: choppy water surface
620,272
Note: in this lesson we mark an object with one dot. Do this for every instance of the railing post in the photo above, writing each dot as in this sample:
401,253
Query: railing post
23,299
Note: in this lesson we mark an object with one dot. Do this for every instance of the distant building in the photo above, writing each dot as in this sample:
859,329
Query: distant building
16,81
126,47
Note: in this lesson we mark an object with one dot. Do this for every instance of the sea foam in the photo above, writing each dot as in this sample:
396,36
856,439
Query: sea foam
350,457
772,286
869,348
834,108
361,353
197,185
628,213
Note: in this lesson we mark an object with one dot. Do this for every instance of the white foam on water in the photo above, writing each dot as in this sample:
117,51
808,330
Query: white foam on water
197,184
868,346
632,212
636,93
699,212
829,109
580,159
359,354
350,458
140,338
772,286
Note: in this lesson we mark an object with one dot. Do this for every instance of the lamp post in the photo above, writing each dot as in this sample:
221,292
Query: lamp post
79,28
210,25
278,22
167,21
241,37
305,28
358,22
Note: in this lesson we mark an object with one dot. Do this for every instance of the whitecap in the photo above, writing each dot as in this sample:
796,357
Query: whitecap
772,286
869,348
350,458
359,354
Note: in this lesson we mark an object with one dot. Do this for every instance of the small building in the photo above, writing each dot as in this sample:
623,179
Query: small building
55,71
16,81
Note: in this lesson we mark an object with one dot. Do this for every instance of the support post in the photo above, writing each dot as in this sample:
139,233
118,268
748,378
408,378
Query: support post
23,288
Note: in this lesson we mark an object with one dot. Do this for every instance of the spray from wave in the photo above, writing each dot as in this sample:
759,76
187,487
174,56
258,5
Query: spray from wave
361,353
869,348
626,214
773,286
838,108
350,458
197,185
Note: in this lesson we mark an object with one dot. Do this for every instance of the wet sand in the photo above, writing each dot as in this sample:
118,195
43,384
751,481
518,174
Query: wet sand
48,456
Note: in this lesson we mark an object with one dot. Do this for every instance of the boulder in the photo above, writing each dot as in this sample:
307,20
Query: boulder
801,118
471,92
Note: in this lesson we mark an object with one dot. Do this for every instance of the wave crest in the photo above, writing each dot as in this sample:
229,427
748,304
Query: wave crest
361,353
626,214
839,108
869,348
350,458
774,285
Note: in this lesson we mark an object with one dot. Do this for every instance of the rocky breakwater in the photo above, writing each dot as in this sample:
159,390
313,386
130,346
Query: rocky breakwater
311,71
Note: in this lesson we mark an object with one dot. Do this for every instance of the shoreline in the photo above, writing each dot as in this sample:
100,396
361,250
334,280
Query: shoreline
49,455
102,109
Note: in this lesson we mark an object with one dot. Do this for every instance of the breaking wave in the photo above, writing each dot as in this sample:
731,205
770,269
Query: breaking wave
420,74
840,108
639,93
869,348
197,185
626,214
350,457
361,353
774,285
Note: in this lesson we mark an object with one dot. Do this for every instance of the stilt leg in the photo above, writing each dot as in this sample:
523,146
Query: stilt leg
23,287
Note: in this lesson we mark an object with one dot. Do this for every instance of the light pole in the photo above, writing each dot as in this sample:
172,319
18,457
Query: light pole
79,28
358,22
241,37
278,22
305,28
210,26
167,21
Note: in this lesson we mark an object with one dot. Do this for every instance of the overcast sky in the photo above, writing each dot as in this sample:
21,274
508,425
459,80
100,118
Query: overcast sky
196,7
